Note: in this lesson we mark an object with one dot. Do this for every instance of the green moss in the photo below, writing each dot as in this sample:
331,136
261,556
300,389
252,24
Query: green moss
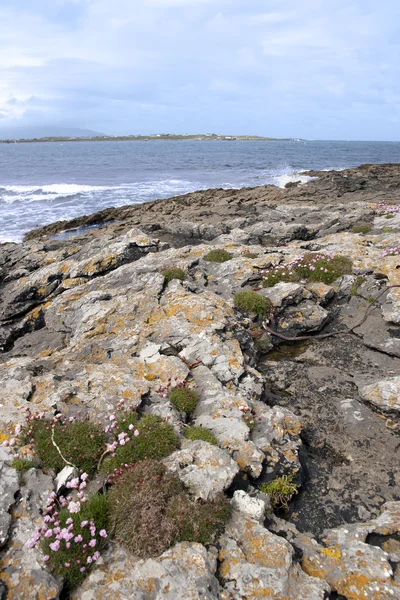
200,433
95,510
311,267
358,282
156,439
183,398
361,228
22,464
387,230
80,442
281,490
249,255
174,273
252,303
218,256
150,510
389,216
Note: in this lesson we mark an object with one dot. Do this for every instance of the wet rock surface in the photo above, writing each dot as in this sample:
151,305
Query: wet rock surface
88,321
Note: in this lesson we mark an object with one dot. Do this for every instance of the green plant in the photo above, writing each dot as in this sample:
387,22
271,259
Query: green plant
156,438
389,216
387,230
86,535
281,490
250,420
218,256
310,267
361,228
200,433
150,510
357,283
253,303
249,255
174,273
22,464
80,442
183,398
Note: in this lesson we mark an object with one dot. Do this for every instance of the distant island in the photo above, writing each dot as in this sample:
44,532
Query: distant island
144,138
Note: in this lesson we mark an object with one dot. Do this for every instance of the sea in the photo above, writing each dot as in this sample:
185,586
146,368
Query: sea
43,182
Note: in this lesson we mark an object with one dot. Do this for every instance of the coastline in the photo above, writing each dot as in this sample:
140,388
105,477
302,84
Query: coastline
297,380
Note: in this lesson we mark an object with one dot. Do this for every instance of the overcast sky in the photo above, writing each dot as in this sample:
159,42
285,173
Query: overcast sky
317,69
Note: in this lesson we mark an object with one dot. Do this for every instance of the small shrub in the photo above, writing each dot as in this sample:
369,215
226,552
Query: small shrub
200,433
22,464
358,282
174,273
252,303
183,398
80,442
310,267
73,557
218,256
281,490
156,438
150,510
361,228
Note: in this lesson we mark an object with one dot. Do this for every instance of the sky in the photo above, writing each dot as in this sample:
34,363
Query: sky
315,69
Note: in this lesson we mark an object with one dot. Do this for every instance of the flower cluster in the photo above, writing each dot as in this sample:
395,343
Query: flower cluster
387,209
391,252
312,267
248,417
116,428
182,397
69,535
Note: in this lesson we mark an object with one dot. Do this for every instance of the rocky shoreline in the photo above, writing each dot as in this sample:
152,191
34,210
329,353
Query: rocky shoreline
91,315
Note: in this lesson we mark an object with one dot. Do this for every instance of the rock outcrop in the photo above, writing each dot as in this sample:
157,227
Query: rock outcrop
90,321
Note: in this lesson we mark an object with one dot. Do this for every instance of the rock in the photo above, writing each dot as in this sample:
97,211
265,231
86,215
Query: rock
305,317
391,307
186,571
65,475
384,394
254,508
255,564
321,292
205,470
285,293
9,486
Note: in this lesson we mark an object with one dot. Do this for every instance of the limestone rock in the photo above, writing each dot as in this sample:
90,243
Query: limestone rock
285,293
391,307
186,571
305,317
254,508
321,292
384,394
8,488
204,469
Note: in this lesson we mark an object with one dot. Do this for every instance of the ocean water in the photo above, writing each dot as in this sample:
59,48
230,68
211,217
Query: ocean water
44,182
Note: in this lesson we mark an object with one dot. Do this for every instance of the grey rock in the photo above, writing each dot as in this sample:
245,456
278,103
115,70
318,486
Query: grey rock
254,508
282,294
9,486
384,394
305,317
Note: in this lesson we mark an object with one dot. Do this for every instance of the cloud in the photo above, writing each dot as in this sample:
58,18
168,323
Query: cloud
315,69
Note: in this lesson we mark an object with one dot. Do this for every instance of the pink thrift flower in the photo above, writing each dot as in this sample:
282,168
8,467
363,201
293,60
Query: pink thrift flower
84,523
48,533
67,565
96,555
89,560
46,558
103,533
82,569
74,507
92,543
78,539
55,546
136,433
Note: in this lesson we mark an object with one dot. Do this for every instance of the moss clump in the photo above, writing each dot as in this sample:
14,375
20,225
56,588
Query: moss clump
69,562
218,256
249,255
311,267
200,433
387,230
389,216
80,442
22,464
155,440
358,282
281,490
150,510
183,398
252,303
174,273
361,228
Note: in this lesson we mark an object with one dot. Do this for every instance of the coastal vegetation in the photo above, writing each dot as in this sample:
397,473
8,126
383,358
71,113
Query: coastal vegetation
323,268
218,256
174,273
183,398
281,490
195,433
253,303
361,228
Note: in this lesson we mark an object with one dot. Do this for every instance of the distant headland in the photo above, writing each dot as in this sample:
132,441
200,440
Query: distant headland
145,138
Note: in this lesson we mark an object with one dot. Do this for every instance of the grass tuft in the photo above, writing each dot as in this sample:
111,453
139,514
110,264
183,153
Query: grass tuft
183,398
358,282
150,510
218,256
22,464
281,490
252,303
361,228
200,433
174,273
